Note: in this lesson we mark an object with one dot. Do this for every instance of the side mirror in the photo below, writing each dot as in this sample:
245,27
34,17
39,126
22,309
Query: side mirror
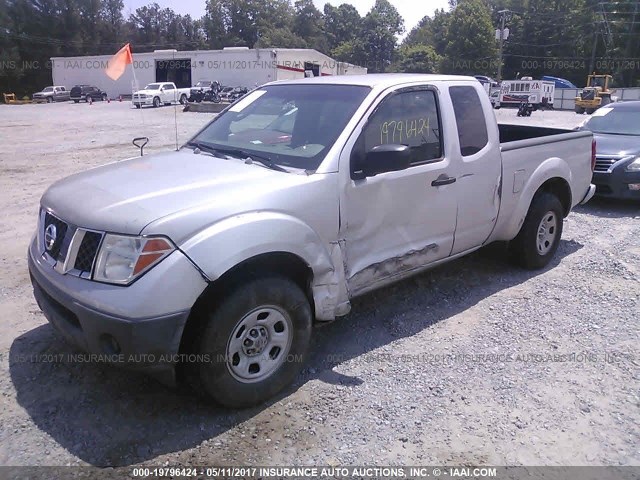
386,158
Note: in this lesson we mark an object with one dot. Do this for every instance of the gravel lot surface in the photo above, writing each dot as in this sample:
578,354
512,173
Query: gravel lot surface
475,362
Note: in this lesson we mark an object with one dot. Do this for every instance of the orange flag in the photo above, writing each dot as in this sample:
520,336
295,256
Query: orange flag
119,62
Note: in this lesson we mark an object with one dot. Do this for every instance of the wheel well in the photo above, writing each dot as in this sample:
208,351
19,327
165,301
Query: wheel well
560,188
281,263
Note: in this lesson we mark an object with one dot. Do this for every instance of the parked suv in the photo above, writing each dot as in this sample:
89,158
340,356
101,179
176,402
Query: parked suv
84,92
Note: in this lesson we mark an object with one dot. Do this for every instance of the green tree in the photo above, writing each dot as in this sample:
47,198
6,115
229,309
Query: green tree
471,46
341,24
417,59
308,24
379,29
421,34
352,51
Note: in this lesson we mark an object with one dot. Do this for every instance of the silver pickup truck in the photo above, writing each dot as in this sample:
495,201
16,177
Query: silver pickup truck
218,258
52,94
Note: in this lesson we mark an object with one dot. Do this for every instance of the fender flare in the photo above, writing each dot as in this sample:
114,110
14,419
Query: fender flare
551,168
225,244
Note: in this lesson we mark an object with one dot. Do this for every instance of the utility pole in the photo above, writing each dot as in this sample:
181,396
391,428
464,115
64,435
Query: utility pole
500,35
596,31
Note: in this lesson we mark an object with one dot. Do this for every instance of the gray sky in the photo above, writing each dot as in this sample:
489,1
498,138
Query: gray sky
411,10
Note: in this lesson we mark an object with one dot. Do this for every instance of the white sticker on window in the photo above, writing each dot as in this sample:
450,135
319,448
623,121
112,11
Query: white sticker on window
601,112
248,100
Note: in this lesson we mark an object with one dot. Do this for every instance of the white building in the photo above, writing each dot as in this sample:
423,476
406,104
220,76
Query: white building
232,66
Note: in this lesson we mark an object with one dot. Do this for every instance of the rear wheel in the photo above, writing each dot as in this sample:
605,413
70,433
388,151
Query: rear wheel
138,105
76,101
539,237
255,341
580,110
590,111
183,99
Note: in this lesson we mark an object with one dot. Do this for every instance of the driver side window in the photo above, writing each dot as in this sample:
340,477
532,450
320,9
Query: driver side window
409,118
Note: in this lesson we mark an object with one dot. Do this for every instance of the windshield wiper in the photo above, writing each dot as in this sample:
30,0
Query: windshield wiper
239,153
251,157
207,148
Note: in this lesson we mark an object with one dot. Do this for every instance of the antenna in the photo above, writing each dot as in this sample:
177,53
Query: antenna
175,104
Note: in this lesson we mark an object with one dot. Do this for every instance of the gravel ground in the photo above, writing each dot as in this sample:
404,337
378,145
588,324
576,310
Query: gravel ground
474,362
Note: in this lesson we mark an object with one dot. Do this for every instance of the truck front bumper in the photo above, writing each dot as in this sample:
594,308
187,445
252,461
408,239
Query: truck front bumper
618,184
143,101
97,322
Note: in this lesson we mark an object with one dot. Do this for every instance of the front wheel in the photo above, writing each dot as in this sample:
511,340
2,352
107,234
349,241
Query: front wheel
539,237
156,102
580,110
216,98
138,105
590,111
76,101
49,99
254,342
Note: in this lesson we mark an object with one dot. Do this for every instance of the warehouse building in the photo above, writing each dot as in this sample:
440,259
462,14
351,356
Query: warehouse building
232,66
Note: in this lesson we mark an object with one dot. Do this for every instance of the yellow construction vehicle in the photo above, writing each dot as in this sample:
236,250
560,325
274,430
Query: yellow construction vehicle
595,95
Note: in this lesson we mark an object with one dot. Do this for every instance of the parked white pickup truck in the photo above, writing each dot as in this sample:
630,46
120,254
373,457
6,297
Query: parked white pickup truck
304,194
162,93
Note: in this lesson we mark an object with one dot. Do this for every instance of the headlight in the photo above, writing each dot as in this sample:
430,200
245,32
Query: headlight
634,166
123,258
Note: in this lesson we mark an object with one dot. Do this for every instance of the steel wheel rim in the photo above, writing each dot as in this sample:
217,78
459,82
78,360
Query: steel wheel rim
547,232
259,344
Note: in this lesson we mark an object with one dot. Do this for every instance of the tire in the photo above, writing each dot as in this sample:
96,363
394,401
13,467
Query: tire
138,105
76,101
104,97
590,110
216,98
49,99
156,102
183,99
239,327
579,110
539,237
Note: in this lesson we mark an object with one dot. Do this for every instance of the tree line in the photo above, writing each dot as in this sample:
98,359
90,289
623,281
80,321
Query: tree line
565,38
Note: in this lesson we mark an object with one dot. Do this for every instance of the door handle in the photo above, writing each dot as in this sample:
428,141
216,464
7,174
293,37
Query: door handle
443,180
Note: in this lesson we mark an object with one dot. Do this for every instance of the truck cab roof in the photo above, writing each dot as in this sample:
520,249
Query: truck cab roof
382,80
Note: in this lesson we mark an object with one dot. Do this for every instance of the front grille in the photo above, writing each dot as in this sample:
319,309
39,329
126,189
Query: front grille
603,164
60,232
87,251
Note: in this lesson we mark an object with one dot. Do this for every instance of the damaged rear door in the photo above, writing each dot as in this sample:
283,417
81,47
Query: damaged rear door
397,221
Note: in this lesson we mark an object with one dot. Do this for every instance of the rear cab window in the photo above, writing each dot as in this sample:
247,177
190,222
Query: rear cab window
407,117
470,120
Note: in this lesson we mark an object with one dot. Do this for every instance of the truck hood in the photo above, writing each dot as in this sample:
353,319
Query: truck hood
126,196
147,92
619,145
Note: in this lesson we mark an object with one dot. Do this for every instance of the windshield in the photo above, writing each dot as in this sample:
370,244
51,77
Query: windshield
614,121
291,125
48,89
152,86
